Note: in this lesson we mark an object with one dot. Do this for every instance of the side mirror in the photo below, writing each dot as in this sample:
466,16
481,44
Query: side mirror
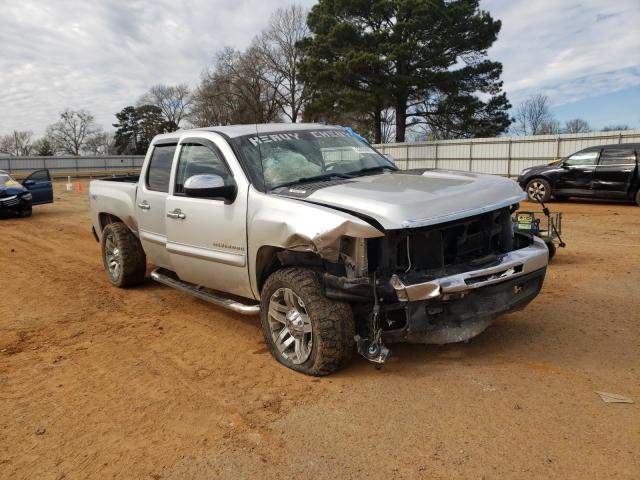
28,183
210,186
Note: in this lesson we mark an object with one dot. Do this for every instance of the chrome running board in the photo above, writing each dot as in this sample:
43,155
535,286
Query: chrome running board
167,278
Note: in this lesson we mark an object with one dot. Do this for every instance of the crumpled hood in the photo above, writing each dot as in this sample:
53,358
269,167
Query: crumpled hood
407,199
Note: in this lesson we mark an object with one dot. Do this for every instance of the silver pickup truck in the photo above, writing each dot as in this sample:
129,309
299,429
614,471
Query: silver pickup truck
327,240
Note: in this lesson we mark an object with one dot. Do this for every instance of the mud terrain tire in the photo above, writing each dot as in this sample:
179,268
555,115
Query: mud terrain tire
332,326
124,260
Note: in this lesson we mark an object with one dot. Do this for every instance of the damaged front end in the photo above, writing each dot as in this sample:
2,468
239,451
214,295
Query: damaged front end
438,284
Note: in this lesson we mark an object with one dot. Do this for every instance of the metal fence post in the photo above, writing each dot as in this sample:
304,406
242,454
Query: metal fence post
407,157
436,164
470,155
509,159
558,146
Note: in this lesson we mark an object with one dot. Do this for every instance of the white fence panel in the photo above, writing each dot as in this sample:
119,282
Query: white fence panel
501,155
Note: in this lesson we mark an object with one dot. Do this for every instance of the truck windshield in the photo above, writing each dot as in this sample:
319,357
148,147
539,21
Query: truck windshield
286,158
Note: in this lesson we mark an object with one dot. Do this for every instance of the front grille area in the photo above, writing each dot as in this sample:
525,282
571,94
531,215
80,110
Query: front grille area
474,240
9,203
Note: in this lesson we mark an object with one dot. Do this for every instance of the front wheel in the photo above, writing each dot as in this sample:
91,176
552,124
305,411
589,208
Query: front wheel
538,189
552,249
303,329
122,255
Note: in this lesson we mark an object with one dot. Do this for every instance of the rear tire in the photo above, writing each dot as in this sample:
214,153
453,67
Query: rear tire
538,187
304,330
638,197
124,260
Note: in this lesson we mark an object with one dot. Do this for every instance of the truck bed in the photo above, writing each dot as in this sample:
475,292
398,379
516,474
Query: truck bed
127,178
115,196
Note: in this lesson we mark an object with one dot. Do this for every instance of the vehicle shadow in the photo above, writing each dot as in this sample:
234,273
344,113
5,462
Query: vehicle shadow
488,348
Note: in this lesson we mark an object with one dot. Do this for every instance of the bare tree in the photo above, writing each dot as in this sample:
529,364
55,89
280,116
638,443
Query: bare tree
279,46
235,91
173,100
16,144
100,143
614,128
549,127
577,125
533,116
71,132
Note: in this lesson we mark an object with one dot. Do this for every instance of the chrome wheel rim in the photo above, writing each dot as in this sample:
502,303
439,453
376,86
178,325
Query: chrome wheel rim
290,326
112,256
536,189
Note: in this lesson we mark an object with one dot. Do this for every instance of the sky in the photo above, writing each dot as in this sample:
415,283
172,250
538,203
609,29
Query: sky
101,55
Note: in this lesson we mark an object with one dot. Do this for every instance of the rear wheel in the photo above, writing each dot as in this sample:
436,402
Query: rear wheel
122,255
538,189
638,197
303,329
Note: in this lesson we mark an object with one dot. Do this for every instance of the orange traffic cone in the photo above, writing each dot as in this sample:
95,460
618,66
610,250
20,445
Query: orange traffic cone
79,187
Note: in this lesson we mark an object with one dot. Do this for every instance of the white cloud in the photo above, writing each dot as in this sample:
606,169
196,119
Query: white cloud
567,49
101,55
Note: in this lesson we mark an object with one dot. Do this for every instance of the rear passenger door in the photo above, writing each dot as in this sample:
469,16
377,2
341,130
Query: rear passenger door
40,186
151,197
615,172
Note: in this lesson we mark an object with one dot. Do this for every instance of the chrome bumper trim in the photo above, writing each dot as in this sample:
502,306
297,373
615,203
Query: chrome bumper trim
512,265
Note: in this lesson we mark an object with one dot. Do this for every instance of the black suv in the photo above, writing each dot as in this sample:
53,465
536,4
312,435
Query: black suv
607,171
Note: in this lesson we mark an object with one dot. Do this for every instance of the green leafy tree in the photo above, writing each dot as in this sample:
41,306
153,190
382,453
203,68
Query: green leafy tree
424,58
44,147
136,128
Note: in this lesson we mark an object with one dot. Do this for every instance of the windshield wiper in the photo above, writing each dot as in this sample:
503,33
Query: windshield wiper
378,168
319,178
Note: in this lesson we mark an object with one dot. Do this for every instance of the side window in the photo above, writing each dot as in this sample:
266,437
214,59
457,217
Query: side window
160,168
617,156
197,160
40,176
582,158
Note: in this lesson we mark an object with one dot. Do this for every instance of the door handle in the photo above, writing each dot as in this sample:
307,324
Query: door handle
177,213
144,205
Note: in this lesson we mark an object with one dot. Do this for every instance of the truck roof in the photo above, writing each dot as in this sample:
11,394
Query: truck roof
241,130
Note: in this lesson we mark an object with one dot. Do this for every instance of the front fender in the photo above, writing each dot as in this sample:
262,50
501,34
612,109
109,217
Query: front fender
296,225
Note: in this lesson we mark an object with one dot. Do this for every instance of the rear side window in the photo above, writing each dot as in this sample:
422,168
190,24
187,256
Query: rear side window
617,156
159,168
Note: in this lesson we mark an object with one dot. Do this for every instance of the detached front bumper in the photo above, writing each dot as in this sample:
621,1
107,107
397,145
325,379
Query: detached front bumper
458,307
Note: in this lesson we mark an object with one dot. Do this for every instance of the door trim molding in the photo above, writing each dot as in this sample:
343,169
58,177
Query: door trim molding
212,255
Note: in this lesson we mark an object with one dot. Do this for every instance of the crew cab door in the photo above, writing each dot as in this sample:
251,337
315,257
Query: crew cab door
615,171
151,196
577,177
207,237
40,186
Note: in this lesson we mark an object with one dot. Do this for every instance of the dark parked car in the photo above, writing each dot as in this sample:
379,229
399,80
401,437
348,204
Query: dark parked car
607,171
17,199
